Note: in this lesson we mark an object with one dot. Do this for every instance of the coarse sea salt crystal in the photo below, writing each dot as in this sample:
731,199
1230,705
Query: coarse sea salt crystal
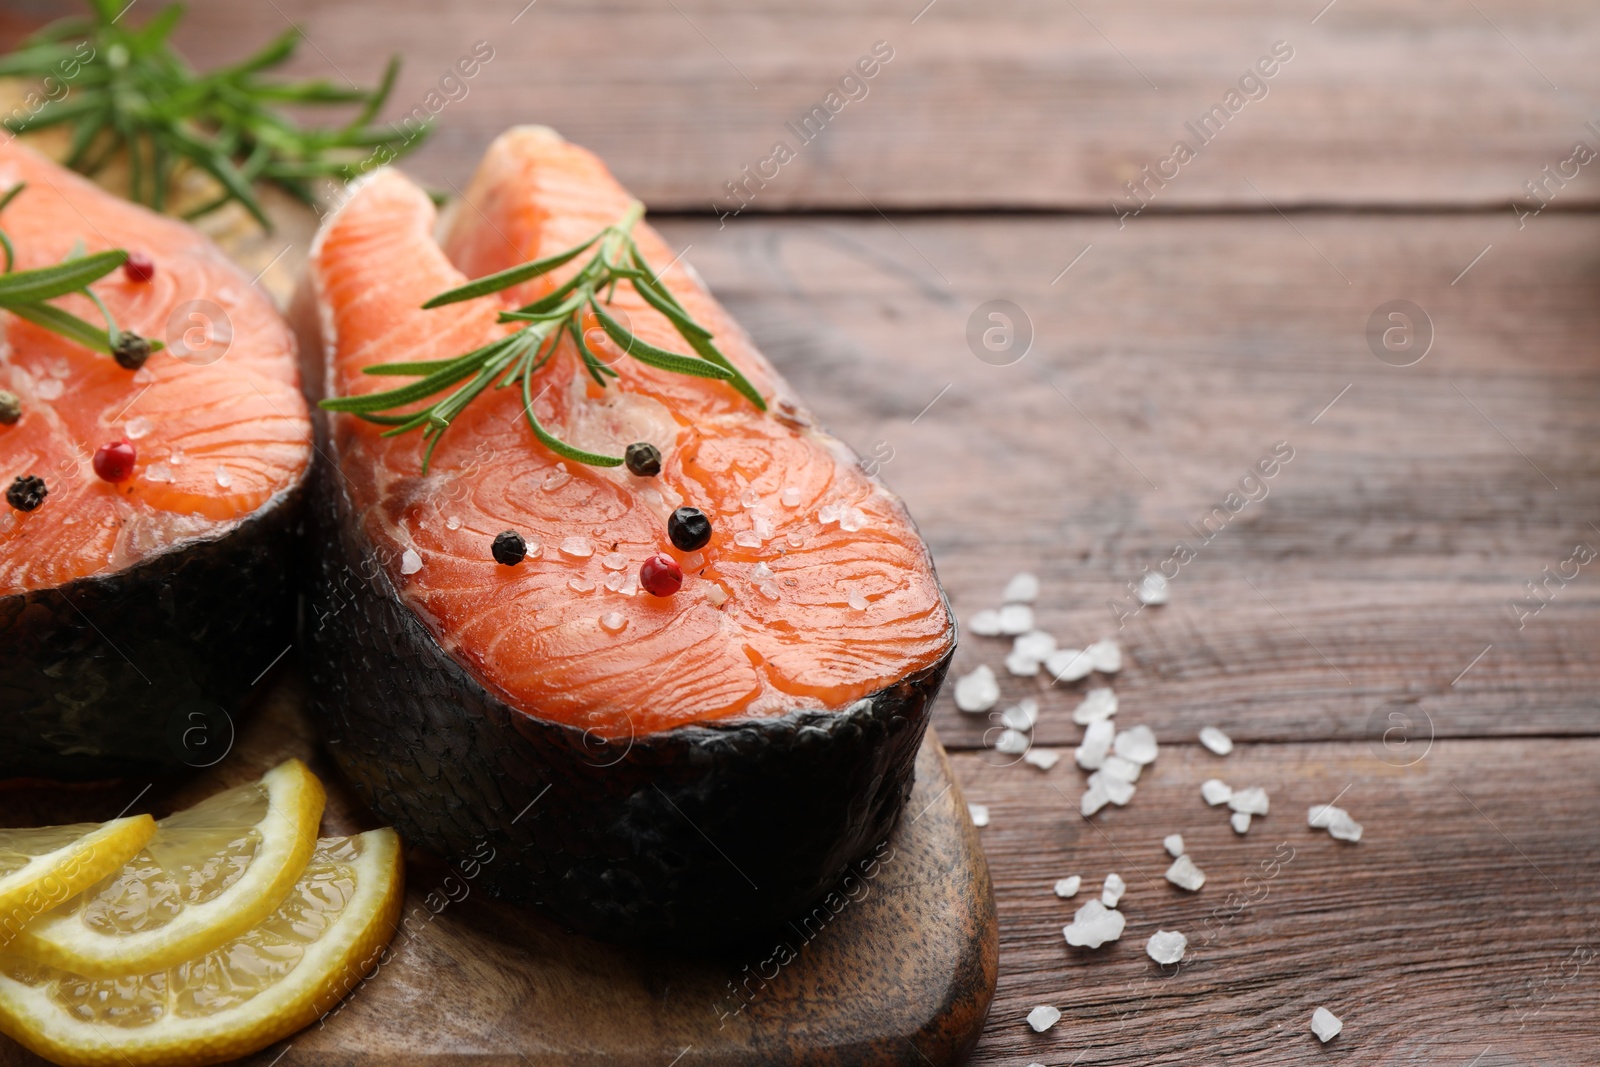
580,585
1118,791
979,814
1215,740
1240,820
1021,666
1021,589
1215,791
978,691
158,472
1344,828
1094,798
856,601
1096,745
224,479
1111,892
1154,589
1166,946
1173,843
1326,1025
176,456
1012,742
1098,703
577,547
1118,767
852,519
1136,743
1043,1018
828,513
790,497
614,561
1185,875
136,427
1021,715
749,498
556,478
1253,800
1035,644
613,622
1069,664
1069,886
1094,925
49,388
410,562
1016,619
1106,656
1041,758
452,523
985,623
747,539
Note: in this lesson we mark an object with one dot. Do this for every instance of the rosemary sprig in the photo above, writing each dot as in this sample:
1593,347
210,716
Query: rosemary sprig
515,358
128,89
24,292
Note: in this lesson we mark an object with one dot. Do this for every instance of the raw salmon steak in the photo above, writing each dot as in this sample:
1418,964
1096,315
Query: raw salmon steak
132,611
643,763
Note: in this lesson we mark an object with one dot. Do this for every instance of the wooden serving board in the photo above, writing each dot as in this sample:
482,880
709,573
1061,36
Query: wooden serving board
900,971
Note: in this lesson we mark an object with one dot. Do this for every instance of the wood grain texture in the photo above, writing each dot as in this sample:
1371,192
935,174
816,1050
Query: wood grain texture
898,969
1022,103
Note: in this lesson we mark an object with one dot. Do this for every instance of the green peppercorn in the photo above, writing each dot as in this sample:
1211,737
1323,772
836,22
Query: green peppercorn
130,351
643,459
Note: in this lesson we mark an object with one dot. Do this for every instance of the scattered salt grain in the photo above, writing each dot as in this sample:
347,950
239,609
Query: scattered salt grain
1094,925
857,602
1325,1024
613,622
1137,743
1021,715
1016,619
1021,666
1240,821
790,497
1118,767
1106,656
749,498
852,519
1043,1018
556,478
1336,821
1035,644
224,479
795,538
1069,664
1096,745
1098,703
1012,742
1042,758
452,523
580,585
1116,790
1215,740
49,388
979,814
747,539
1153,589
1345,828
1185,875
158,472
410,562
1253,800
985,623
1215,791
614,561
1166,946
978,691
1094,798
1173,843
1021,589
1069,886
176,457
1113,889
577,547
136,427
828,513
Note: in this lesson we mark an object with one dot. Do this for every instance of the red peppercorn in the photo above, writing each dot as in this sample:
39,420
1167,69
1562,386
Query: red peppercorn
114,461
660,575
138,267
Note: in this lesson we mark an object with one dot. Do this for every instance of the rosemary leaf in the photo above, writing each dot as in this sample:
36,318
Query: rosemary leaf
493,283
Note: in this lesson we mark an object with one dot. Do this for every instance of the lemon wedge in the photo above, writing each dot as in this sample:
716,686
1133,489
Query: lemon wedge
258,988
43,867
209,874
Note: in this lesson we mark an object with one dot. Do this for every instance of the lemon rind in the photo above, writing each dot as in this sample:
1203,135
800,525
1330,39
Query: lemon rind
56,877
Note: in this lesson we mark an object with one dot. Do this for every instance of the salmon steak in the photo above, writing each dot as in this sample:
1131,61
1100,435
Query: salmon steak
146,584
678,695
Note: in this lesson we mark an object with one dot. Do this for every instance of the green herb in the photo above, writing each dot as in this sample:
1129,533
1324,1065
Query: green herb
129,89
24,292
515,358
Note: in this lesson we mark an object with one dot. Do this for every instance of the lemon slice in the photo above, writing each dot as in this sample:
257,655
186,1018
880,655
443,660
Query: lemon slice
41,868
244,995
209,874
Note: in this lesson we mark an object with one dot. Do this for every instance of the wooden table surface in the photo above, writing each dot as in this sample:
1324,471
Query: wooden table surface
1353,629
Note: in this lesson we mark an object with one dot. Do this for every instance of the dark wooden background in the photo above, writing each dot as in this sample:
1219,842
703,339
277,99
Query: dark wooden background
1351,630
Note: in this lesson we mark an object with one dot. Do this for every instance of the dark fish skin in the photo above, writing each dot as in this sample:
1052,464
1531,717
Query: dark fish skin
141,672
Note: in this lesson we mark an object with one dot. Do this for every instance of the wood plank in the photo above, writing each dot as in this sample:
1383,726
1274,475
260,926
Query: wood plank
1383,560
897,969
1461,926
1021,103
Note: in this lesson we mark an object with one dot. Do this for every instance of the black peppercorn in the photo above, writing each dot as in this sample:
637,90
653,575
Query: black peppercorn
509,548
643,459
10,407
27,492
130,351
689,529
